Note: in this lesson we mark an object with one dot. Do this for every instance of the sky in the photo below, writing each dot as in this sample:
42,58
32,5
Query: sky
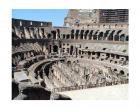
56,16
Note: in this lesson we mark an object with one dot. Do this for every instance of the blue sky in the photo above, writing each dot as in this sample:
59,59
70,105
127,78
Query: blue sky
56,16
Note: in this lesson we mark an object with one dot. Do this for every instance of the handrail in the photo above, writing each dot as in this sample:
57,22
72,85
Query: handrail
62,89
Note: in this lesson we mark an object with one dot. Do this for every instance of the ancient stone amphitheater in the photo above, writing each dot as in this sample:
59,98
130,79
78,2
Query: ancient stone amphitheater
48,59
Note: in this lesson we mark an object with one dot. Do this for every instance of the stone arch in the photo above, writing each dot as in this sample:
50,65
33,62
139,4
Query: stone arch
119,31
68,62
111,35
54,34
106,34
55,48
100,36
72,31
126,38
122,37
77,34
90,37
90,34
95,37
81,36
79,52
64,36
67,36
115,70
76,37
71,49
49,36
122,72
116,37
72,36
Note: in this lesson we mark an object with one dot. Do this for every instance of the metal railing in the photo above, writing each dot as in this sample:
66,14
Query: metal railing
61,89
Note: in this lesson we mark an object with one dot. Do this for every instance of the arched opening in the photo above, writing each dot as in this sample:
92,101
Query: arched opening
115,70
93,53
90,37
104,48
49,36
81,36
55,48
77,32
72,31
64,36
122,72
72,36
67,36
86,32
95,37
89,54
122,37
106,34
98,54
71,50
126,38
54,34
91,32
79,52
100,36
116,37
68,63
76,36
111,35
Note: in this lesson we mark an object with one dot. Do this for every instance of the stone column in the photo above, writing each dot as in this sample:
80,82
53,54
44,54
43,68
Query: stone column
113,37
119,38
56,36
97,37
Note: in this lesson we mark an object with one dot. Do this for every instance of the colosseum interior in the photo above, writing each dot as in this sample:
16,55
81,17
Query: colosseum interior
89,51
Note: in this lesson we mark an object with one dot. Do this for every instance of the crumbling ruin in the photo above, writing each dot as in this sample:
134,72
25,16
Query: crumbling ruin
89,51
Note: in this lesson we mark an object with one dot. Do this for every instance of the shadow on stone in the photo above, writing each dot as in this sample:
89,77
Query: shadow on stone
34,92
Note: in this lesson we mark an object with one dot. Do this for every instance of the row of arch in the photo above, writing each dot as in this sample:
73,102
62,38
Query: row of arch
114,35
39,33
34,33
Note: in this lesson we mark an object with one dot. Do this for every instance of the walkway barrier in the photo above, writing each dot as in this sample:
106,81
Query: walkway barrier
61,89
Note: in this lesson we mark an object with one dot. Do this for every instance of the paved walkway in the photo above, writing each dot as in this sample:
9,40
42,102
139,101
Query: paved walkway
118,92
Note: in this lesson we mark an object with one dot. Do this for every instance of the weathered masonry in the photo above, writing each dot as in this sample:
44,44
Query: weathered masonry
91,49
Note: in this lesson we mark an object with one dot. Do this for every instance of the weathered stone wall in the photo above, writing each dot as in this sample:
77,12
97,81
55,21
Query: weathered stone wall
97,18
92,52
29,23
